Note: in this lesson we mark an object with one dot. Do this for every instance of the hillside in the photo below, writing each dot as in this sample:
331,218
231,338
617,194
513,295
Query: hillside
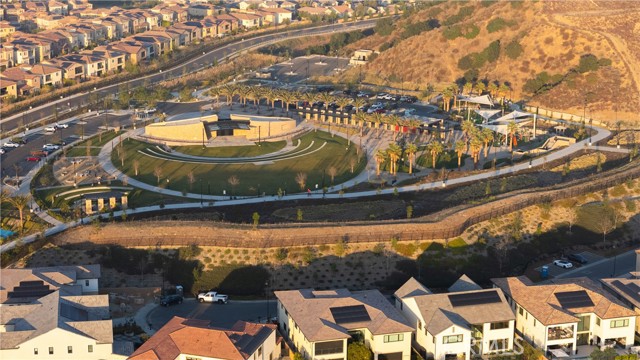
552,54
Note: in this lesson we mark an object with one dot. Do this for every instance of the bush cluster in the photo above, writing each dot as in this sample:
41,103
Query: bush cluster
478,60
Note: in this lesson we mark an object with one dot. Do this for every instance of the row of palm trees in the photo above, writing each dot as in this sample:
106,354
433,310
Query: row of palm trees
451,91
256,95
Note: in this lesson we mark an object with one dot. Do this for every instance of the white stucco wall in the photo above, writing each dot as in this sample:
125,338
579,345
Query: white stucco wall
442,349
60,340
605,331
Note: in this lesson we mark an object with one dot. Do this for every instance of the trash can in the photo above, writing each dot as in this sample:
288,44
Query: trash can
544,272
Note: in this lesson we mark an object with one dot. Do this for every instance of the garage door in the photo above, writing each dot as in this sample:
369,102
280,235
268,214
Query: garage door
390,356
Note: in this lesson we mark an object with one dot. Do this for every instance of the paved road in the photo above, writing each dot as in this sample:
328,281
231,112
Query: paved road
219,315
192,65
37,137
615,266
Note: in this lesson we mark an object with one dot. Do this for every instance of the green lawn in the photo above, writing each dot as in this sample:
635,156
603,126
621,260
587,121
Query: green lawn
233,151
447,159
96,144
253,179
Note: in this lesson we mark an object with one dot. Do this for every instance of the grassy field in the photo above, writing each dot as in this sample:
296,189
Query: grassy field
81,148
253,179
233,151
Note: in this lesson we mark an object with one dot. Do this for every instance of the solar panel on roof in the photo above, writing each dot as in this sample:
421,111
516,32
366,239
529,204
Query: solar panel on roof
474,298
627,289
26,289
349,314
574,299
31,283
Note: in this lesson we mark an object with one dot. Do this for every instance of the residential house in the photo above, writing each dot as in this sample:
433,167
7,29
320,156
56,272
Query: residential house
8,89
181,14
319,324
248,20
50,75
202,10
6,56
627,290
57,8
114,60
24,54
193,29
44,312
182,338
6,29
464,323
226,24
308,11
71,70
48,22
135,51
277,16
27,82
342,11
247,4
558,317
287,5
93,66
60,41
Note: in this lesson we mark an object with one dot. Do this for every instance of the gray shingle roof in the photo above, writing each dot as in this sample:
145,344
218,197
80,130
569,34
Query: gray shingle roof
311,311
411,288
464,283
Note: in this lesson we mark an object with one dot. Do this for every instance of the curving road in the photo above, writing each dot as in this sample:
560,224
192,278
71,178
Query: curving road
198,63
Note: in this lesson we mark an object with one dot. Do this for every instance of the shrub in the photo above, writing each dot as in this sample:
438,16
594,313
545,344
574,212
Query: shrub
471,31
496,24
452,32
513,49
541,83
457,243
419,27
463,13
384,27
587,63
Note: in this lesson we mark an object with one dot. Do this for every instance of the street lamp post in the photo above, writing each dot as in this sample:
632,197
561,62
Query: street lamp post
266,294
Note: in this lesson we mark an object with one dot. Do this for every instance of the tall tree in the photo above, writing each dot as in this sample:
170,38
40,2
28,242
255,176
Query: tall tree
381,156
20,202
461,148
512,130
394,151
487,139
435,149
411,149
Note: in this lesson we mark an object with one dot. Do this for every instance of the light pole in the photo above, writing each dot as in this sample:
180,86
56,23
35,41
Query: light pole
266,294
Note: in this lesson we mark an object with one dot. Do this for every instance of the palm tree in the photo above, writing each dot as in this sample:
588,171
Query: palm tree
326,98
381,156
272,95
216,92
461,148
394,152
361,118
20,202
301,179
394,122
287,98
481,87
455,89
487,139
342,102
475,147
493,89
411,150
447,94
228,91
503,90
512,130
435,148
467,88
243,92
358,103
467,129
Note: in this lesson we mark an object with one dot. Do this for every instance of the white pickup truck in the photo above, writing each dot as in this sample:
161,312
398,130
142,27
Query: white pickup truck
213,297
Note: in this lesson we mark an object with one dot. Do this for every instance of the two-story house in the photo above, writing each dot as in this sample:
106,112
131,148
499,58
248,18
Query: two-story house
182,338
558,317
320,324
466,322
49,74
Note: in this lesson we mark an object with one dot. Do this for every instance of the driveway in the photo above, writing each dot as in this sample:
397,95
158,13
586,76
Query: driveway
219,315
556,271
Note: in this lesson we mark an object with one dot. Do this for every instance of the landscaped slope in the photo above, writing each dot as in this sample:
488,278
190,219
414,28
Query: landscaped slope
555,54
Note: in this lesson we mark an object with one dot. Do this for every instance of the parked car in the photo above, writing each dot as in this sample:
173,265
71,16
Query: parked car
150,111
171,300
580,259
382,96
2,151
563,264
50,129
213,297
362,94
11,144
61,126
51,147
33,158
409,112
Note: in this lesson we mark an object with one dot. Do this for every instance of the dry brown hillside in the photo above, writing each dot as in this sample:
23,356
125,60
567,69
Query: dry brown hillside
553,36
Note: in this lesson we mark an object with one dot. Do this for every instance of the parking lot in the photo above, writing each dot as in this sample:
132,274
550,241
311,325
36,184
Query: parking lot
220,315
555,270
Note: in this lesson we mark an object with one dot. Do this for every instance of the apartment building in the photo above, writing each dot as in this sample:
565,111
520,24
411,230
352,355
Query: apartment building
467,321
558,317
46,313
184,338
319,324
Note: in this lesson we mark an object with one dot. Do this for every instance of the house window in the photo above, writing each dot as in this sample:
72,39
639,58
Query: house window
619,323
193,358
260,351
521,311
499,325
50,350
329,347
86,283
69,349
452,339
90,348
534,322
597,321
393,338
35,351
419,324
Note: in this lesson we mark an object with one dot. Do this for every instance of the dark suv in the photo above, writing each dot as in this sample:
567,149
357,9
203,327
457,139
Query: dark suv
171,300
578,258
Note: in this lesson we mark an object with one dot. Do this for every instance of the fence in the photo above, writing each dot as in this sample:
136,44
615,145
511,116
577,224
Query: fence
443,225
